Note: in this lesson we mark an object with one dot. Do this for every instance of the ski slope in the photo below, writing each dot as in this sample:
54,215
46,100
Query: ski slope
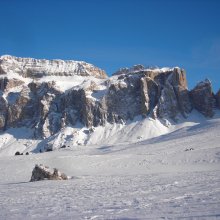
154,178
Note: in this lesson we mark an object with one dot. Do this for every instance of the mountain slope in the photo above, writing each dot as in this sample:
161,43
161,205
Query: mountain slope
153,179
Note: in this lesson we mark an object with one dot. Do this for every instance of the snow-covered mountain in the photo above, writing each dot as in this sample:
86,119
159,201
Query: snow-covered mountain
152,146
76,103
37,68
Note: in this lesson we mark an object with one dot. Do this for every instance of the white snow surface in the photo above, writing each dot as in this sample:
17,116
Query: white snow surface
175,175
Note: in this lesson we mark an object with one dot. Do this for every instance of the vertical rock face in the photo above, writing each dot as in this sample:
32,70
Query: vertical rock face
17,107
167,104
174,96
150,92
11,107
41,105
203,98
123,99
46,108
3,83
179,84
7,84
3,113
218,99
159,93
2,72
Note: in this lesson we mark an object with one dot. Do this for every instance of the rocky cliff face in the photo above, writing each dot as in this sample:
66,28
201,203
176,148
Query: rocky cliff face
156,93
218,99
203,98
36,68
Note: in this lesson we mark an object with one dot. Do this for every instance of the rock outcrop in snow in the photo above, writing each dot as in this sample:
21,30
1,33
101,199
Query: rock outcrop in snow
41,172
203,98
29,100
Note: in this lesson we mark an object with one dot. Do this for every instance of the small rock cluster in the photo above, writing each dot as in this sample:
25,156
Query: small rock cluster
18,153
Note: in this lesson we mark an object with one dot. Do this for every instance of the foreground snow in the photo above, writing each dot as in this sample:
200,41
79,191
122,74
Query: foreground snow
149,196
158,178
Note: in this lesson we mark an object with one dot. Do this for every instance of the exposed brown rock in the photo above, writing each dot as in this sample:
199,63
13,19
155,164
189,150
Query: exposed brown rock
158,93
46,103
3,113
179,83
41,172
16,106
217,96
13,83
168,105
3,83
174,98
179,78
2,72
7,84
203,98
183,100
123,99
150,91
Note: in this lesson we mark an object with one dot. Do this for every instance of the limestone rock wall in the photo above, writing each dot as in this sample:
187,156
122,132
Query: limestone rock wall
217,96
157,93
203,98
36,68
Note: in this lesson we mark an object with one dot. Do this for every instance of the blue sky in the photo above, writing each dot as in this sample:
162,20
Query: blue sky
117,33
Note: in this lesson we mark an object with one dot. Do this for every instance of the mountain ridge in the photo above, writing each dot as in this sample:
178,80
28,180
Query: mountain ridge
52,100
36,68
